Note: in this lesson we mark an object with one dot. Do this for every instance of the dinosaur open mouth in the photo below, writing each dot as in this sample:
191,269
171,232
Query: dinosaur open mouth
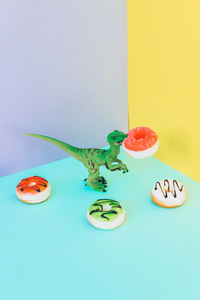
118,143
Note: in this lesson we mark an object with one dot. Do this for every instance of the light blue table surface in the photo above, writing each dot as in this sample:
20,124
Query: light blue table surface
50,251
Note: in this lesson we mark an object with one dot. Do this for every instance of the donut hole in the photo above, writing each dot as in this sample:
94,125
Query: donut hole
107,207
32,184
139,136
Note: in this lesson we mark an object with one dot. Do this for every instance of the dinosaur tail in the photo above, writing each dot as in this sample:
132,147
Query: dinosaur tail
73,151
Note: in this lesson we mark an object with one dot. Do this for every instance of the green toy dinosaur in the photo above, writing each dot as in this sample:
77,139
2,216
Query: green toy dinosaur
93,158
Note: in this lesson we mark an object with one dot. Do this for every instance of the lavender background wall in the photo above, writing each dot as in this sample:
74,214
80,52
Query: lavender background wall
63,73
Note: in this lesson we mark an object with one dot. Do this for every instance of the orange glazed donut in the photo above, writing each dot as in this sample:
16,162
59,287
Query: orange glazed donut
141,142
33,189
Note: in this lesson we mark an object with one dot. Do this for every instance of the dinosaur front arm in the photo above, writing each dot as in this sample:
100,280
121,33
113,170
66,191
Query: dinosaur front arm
119,161
114,167
123,166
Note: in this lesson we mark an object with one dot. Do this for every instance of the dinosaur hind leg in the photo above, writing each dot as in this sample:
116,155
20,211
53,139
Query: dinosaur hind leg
100,179
96,182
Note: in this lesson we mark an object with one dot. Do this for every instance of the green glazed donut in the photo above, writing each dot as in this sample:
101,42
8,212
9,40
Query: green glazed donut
106,214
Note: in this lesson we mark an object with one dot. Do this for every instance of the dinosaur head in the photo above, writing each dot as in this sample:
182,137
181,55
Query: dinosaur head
116,137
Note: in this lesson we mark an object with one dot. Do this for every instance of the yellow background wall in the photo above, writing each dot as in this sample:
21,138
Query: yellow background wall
164,77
